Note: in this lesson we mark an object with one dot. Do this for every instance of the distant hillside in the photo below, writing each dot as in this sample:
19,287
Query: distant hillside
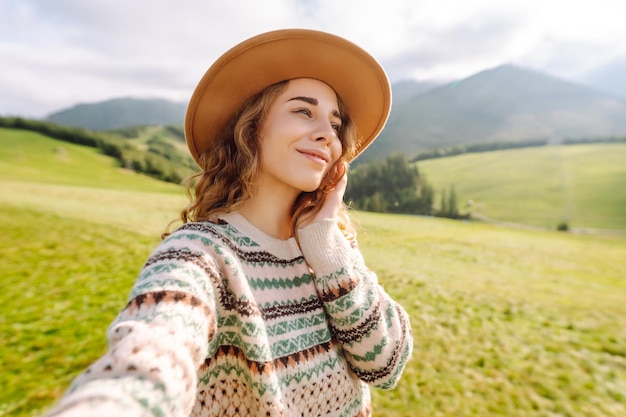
406,90
609,78
507,103
158,151
501,104
121,112
126,112
579,184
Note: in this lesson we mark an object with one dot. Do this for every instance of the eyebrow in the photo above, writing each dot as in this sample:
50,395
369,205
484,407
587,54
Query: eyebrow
314,102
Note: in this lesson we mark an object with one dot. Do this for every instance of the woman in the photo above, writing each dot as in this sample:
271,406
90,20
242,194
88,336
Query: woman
261,304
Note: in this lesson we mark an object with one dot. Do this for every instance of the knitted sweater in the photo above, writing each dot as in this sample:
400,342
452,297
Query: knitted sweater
225,320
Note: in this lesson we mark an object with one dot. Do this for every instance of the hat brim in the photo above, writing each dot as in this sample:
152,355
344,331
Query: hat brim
247,68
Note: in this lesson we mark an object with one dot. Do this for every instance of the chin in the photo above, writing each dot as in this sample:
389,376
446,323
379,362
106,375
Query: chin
309,188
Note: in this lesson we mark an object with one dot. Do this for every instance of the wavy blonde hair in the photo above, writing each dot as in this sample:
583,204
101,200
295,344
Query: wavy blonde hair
229,167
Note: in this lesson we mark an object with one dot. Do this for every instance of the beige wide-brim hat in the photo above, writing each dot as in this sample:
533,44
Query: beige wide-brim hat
247,68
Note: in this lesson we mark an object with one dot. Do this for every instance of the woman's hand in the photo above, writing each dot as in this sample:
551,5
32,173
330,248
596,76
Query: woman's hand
333,200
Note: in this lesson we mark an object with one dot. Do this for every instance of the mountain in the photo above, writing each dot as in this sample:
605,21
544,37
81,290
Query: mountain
405,90
121,112
609,78
500,104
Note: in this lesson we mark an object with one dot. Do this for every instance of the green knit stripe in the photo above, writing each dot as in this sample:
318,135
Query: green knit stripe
388,373
149,281
397,371
150,395
182,263
311,370
187,237
222,231
270,329
371,356
235,366
279,283
353,408
266,352
235,236
192,323
391,315
327,283
392,378
350,309
260,259
373,330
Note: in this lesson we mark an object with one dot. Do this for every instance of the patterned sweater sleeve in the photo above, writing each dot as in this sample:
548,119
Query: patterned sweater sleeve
373,329
157,342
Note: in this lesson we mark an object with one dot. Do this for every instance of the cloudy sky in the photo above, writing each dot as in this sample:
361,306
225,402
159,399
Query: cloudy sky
57,53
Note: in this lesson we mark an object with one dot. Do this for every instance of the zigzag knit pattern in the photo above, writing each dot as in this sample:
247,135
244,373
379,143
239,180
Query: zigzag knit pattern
225,320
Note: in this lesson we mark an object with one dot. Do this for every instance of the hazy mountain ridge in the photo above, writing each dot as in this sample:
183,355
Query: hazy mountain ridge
609,78
121,112
403,91
500,104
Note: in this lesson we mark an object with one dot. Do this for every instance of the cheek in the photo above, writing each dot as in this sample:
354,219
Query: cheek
336,149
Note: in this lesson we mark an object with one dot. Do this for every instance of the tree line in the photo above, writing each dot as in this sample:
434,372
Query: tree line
477,147
607,139
396,186
161,160
498,146
390,186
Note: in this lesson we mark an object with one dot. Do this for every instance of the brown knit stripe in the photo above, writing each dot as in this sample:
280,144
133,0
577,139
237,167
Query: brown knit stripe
284,310
245,256
344,287
230,353
372,376
356,333
152,298
225,297
243,307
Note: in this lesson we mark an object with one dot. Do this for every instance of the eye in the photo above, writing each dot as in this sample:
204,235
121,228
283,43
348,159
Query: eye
305,111
336,127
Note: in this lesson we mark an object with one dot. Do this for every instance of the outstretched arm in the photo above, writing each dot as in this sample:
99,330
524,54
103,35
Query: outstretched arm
156,344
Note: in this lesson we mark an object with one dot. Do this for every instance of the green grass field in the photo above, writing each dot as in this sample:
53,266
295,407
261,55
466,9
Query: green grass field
580,184
507,322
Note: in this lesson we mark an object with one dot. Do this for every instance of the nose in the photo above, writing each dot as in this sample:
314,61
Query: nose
324,132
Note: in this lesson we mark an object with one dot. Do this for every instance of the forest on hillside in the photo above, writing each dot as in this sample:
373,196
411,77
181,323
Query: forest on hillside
161,160
392,185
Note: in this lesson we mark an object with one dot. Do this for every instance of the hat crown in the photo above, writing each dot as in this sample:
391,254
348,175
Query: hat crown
258,62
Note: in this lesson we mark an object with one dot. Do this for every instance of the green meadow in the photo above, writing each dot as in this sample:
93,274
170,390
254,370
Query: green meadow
580,184
506,321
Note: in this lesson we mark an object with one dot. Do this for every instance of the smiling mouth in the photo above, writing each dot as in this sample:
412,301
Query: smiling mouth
315,157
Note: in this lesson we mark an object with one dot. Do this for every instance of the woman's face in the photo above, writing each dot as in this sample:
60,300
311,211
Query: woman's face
299,140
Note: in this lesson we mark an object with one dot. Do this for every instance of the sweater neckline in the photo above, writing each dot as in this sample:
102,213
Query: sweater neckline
280,247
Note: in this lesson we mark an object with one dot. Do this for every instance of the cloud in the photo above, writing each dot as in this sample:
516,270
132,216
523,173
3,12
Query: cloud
56,54
71,51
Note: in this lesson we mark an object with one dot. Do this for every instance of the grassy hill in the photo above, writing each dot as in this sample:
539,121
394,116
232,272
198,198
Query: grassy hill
74,181
580,184
506,321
